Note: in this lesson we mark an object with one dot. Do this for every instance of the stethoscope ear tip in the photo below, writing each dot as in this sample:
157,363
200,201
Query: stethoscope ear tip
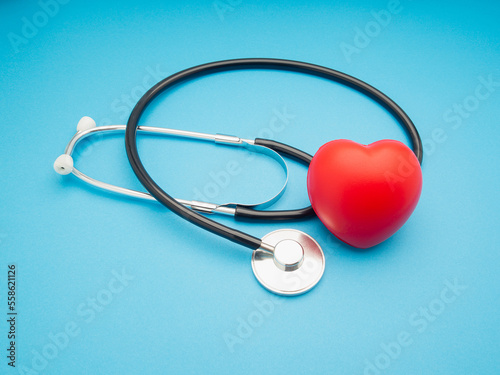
294,266
85,123
64,164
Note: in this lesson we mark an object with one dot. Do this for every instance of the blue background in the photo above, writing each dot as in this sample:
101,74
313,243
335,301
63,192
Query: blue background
192,304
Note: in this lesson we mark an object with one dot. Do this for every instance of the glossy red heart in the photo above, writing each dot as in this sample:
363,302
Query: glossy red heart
364,194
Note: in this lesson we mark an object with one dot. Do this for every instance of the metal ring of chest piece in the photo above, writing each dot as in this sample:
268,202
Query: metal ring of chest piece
286,262
296,266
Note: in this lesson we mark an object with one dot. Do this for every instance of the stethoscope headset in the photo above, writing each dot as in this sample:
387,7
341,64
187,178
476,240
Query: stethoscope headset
285,261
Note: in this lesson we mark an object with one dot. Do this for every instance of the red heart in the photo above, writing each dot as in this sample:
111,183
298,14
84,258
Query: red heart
364,194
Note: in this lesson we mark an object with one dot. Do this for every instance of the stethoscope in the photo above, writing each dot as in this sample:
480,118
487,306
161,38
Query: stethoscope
285,261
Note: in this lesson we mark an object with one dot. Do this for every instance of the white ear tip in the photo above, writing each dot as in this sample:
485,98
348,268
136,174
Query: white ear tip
64,164
85,123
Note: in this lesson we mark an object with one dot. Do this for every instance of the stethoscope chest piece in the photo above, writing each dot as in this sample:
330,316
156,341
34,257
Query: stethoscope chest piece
295,265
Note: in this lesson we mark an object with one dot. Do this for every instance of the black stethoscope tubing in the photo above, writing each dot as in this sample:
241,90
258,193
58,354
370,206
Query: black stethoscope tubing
232,234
